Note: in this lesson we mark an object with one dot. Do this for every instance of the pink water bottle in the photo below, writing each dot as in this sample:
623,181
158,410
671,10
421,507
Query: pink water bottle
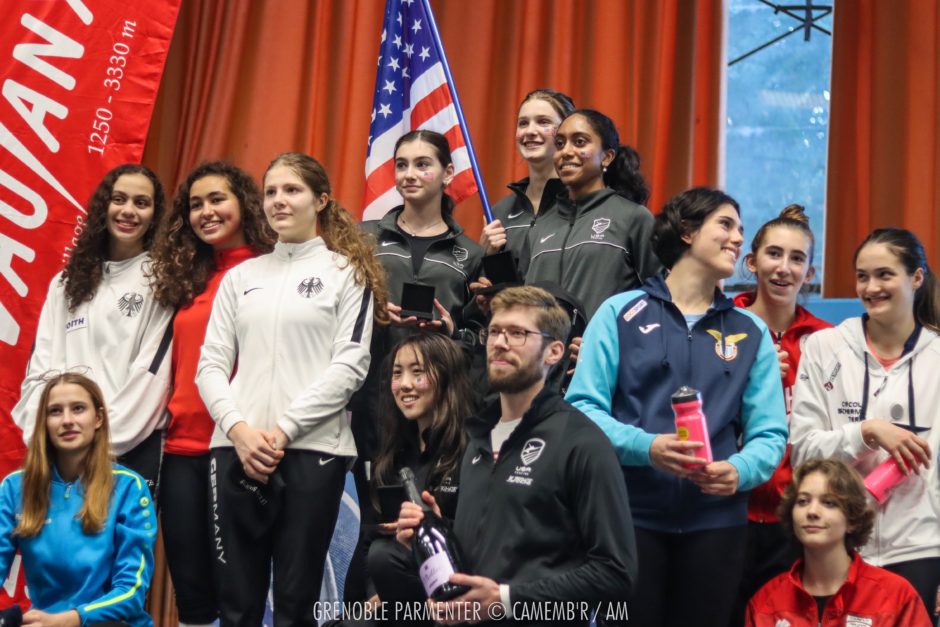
884,478
691,423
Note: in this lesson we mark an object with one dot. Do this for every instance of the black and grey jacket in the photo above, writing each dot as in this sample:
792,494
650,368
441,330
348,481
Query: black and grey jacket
515,212
594,247
550,517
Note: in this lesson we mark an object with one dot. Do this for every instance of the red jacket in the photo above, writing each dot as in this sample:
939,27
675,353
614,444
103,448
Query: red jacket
191,425
872,596
764,500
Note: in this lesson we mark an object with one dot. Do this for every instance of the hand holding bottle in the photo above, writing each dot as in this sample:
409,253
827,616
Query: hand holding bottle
410,516
907,449
668,452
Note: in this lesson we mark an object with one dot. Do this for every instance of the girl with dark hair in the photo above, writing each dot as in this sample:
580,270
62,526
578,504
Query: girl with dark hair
84,526
426,394
641,347
294,326
100,312
600,228
540,114
216,223
867,392
825,509
781,261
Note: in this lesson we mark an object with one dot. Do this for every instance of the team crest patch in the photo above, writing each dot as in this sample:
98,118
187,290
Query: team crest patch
600,225
782,623
727,349
633,311
857,621
310,286
460,255
130,304
531,450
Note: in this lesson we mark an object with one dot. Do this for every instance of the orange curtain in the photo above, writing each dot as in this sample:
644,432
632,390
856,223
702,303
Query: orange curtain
884,133
246,80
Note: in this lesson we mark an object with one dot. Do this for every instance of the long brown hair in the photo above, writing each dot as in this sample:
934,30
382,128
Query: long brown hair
338,230
95,473
447,370
82,273
183,263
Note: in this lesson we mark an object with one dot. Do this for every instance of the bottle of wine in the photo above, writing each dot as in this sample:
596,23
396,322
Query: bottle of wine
435,549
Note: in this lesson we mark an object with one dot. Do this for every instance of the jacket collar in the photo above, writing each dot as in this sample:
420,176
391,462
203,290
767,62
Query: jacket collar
553,188
848,586
543,405
656,287
296,251
231,257
803,321
389,223
587,202
115,268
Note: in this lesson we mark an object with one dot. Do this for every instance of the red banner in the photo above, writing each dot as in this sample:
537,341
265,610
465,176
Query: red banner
78,91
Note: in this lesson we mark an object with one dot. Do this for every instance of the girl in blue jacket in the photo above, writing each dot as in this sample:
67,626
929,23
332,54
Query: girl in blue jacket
640,347
85,526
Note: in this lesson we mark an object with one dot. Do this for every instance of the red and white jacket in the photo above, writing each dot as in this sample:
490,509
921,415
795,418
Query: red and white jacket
764,499
870,596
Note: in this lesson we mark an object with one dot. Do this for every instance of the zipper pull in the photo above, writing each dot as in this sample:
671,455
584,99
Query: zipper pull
68,490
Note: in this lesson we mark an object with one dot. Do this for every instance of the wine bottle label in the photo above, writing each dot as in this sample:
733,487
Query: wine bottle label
434,572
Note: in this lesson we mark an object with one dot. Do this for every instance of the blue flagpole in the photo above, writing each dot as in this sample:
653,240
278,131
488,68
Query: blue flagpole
477,176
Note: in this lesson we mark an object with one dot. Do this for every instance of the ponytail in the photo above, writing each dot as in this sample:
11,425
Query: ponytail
623,175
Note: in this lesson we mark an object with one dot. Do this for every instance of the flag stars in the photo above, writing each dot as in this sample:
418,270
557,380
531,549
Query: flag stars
385,110
397,41
404,73
389,87
393,64
373,119
409,50
398,19
425,53
384,36
416,26
408,2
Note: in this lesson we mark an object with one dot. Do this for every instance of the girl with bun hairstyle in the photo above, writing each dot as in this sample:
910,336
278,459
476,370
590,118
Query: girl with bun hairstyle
216,223
100,313
540,114
294,326
825,509
781,261
599,228
84,525
867,392
639,349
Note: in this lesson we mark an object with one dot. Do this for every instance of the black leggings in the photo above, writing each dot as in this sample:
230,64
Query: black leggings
296,540
924,575
184,502
687,578
144,459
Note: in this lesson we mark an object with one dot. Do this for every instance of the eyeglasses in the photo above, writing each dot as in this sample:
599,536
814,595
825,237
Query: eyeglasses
514,337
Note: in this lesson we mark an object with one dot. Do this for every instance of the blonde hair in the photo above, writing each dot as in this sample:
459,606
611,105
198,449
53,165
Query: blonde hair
339,232
95,472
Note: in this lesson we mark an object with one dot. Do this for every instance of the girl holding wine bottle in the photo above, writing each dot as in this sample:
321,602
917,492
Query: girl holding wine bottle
867,392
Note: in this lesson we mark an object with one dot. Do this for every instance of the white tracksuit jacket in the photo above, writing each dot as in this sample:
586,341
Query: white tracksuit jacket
828,402
122,335
297,326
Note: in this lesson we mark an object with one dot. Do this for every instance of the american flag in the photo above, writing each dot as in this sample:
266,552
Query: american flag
411,92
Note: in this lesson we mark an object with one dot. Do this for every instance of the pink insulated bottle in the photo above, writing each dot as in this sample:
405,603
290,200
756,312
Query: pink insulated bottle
690,421
884,478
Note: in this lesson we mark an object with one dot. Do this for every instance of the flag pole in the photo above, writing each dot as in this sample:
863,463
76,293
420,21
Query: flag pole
477,176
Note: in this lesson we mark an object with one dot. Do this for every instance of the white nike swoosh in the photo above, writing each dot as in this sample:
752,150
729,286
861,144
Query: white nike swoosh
326,460
384,244
546,238
476,459
513,216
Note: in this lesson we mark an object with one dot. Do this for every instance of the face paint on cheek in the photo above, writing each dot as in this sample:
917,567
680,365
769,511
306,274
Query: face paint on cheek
396,385
426,174
583,154
420,382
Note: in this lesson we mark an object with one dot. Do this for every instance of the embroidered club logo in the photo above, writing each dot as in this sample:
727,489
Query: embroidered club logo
600,225
531,450
726,348
310,286
857,621
130,304
460,255
782,623
640,306
832,377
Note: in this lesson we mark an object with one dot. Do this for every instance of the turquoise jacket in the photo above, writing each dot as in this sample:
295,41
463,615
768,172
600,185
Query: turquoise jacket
105,576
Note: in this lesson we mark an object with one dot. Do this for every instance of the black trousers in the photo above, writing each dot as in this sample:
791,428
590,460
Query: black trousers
924,575
144,459
184,502
296,541
770,551
687,578
394,573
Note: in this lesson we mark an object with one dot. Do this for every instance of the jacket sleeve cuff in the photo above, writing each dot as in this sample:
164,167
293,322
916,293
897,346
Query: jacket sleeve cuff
644,444
290,428
230,420
504,598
